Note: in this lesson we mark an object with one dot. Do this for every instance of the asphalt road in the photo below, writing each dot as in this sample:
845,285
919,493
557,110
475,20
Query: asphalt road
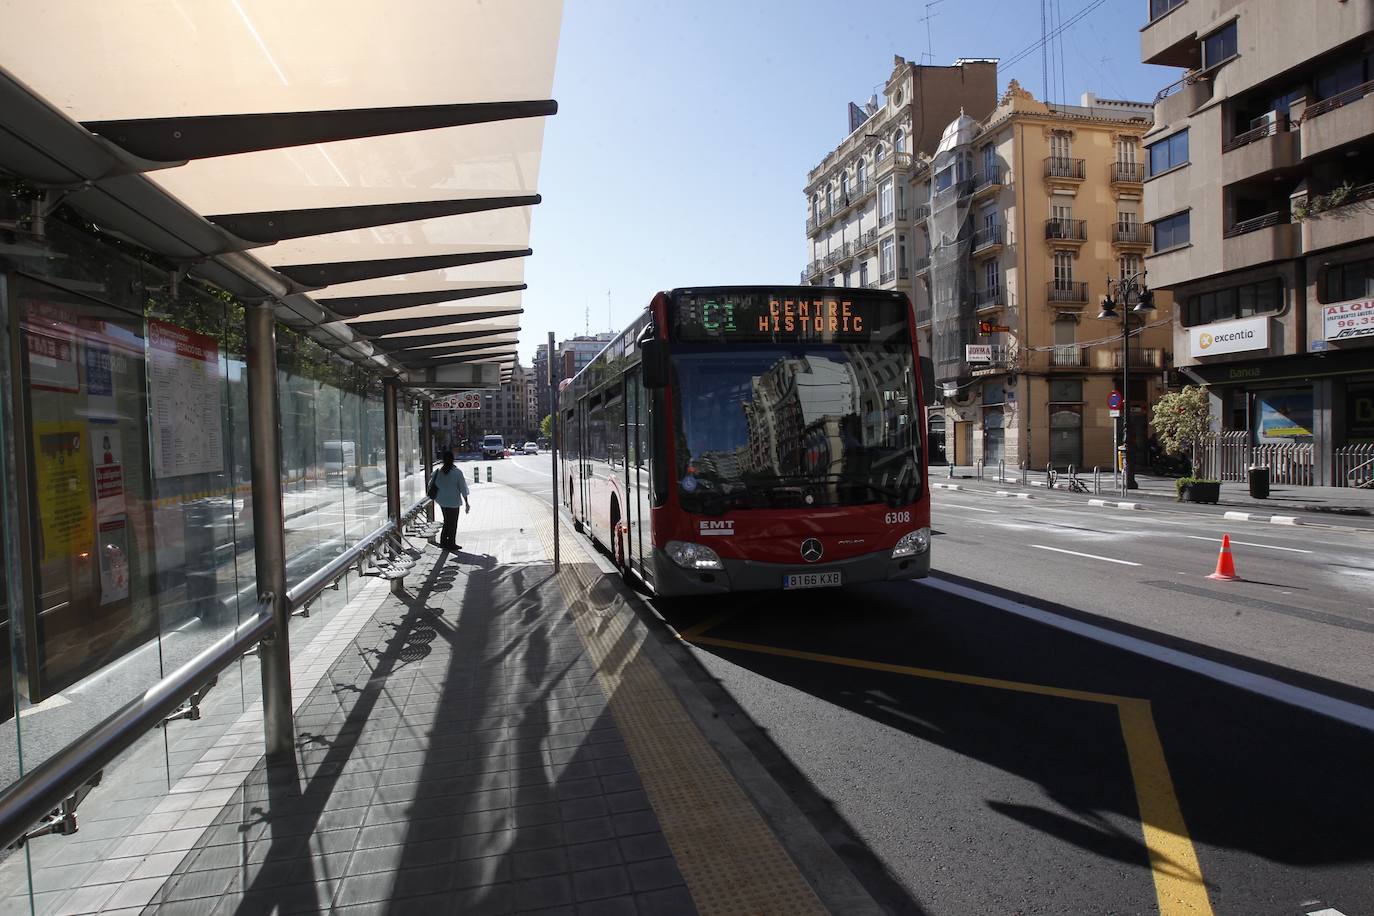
966,753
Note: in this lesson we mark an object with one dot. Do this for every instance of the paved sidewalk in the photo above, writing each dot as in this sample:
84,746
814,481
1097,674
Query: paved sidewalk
1283,499
496,740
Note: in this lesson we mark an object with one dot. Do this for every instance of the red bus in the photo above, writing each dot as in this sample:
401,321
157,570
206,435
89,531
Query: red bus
753,438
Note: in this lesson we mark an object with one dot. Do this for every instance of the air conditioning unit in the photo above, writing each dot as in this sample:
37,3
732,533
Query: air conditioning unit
1268,119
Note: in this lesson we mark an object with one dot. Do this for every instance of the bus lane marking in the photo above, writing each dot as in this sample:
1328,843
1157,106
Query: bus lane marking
1198,537
1174,866
1090,556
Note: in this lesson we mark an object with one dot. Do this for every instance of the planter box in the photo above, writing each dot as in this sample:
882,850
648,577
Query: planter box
1200,492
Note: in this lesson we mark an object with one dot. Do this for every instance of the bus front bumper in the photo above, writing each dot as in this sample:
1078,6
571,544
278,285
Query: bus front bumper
671,580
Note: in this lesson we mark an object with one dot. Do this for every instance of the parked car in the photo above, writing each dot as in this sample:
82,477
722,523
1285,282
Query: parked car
531,448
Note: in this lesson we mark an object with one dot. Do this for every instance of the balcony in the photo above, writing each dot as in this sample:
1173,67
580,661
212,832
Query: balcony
1067,356
1338,225
860,189
989,239
1067,292
903,272
867,240
901,214
1343,118
1170,38
988,183
887,276
898,161
815,268
805,277
923,314
990,297
812,225
1264,149
921,265
830,260
921,213
1141,358
885,219
1127,173
1066,230
1266,238
1061,169
1131,235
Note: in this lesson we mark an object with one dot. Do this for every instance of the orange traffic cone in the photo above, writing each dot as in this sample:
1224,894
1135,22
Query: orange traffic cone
1226,567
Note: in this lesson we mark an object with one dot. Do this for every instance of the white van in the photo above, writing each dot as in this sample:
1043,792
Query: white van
340,457
493,447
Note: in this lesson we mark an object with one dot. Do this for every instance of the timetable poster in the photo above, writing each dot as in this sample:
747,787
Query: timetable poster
186,398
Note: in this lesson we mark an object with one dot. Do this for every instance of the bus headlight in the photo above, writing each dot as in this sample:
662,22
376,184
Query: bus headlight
692,556
912,543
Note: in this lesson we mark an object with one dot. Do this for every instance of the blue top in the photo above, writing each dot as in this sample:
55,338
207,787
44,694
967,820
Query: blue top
452,487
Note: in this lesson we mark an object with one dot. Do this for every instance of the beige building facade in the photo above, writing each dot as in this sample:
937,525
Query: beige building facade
1260,188
1031,213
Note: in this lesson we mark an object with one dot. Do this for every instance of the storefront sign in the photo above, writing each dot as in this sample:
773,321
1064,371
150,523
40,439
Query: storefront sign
1229,337
63,489
185,389
978,353
1348,320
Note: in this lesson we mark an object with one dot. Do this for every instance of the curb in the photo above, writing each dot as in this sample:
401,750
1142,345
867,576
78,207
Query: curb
1011,495
1111,504
1270,519
947,486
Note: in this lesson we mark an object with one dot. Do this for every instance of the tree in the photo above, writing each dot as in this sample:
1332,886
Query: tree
546,426
1180,420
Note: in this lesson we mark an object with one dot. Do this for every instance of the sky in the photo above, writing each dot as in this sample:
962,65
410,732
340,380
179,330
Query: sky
685,130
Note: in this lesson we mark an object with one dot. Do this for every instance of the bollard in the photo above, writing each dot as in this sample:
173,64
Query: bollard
1097,481
978,469
951,470
476,473
1001,472
1025,474
488,473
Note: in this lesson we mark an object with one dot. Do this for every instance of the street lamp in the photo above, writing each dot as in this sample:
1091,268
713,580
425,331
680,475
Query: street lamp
1126,289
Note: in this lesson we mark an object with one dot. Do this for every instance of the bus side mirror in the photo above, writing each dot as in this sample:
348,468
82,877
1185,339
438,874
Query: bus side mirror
654,359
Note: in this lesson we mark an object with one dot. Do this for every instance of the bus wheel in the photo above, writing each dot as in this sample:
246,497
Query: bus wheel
617,538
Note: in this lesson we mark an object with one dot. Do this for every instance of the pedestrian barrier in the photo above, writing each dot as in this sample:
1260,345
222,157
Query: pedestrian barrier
1226,566
1355,466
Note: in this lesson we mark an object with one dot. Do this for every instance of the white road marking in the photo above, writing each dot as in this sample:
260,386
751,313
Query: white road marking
1198,537
1361,717
1328,911
1090,556
956,506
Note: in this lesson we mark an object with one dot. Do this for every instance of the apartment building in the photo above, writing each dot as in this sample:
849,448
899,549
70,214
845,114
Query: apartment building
1024,218
1260,189
509,411
859,222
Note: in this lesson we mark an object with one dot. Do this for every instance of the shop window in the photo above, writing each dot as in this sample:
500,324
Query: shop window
1283,416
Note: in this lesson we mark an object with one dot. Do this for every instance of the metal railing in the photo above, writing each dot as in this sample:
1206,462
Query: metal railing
1229,456
1278,125
1339,100
1074,230
1278,217
1141,358
887,276
901,214
1131,233
921,265
1062,167
1355,466
1074,291
870,237
983,298
920,212
46,797
988,236
44,800
1066,355
987,178
1127,172
885,218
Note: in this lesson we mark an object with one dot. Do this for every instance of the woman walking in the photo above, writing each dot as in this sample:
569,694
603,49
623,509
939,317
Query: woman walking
449,489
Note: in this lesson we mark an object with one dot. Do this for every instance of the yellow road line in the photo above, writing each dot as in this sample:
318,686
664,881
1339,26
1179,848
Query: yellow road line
1179,887
1173,860
710,623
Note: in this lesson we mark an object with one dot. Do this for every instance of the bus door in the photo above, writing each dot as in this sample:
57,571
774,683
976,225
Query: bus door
583,465
636,472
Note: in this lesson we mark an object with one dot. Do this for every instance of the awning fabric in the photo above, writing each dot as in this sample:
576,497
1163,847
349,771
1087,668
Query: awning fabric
372,165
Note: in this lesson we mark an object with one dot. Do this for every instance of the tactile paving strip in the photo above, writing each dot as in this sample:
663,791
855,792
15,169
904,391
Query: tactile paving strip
732,862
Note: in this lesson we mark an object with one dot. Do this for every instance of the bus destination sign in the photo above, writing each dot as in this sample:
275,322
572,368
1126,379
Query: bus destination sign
779,318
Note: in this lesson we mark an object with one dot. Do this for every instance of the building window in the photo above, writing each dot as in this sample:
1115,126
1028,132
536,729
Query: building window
1219,47
816,208
1061,145
1235,302
844,186
1125,150
989,161
1348,281
1160,7
878,154
861,174
1169,153
885,202
863,272
885,257
1171,232
1063,270
901,251
899,142
990,276
1129,265
944,179
830,197
1066,390
846,279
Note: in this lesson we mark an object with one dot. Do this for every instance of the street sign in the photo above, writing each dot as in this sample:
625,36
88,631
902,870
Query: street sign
987,327
463,400
1114,401
1114,412
978,353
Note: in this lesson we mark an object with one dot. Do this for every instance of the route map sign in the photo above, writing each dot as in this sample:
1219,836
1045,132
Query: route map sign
186,396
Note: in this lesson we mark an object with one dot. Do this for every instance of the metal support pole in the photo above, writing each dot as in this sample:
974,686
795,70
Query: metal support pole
553,450
393,465
269,533
427,450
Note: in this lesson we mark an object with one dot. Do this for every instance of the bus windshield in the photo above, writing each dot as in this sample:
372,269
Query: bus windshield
795,426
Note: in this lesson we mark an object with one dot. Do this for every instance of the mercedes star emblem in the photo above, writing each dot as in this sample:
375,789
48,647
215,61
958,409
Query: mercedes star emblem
811,550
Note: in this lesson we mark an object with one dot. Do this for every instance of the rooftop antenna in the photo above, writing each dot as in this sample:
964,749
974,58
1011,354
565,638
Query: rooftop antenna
586,319
930,45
